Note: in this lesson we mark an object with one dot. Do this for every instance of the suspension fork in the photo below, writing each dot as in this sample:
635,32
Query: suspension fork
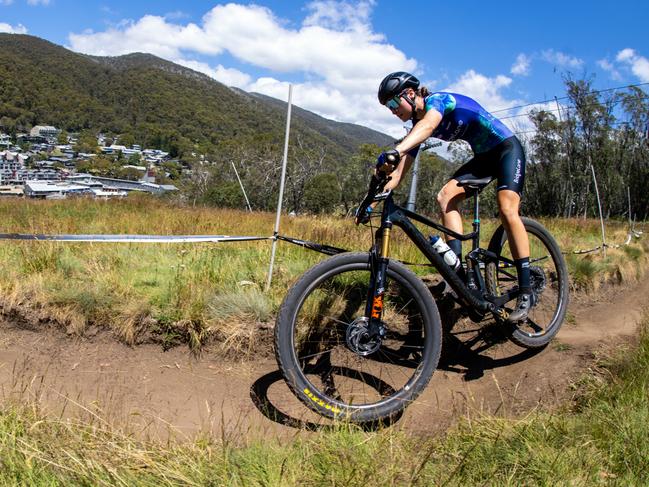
379,259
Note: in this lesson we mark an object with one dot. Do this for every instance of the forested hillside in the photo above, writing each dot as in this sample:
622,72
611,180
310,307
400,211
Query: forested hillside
158,104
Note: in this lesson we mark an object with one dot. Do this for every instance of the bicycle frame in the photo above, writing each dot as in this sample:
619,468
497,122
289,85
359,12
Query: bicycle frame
474,294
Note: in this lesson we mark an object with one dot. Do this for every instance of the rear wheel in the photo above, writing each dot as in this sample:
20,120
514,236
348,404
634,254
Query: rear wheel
549,281
329,359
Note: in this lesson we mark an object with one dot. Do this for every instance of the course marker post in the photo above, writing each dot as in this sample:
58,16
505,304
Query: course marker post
281,189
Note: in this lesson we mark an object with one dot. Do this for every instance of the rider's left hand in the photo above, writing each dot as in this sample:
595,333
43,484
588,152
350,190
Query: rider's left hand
364,218
387,161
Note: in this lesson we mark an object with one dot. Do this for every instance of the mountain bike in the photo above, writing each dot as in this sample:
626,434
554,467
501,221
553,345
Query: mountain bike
359,335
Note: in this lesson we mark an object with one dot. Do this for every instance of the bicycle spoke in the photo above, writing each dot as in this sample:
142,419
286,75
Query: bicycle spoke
354,367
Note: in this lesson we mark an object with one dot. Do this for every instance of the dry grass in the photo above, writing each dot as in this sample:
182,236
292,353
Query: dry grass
182,293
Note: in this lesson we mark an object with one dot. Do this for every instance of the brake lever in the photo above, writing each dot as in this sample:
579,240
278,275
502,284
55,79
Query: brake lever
382,196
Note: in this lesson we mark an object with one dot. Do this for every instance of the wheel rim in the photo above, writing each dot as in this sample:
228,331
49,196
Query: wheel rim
546,280
337,371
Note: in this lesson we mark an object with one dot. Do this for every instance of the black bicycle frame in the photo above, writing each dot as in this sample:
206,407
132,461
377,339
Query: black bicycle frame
395,215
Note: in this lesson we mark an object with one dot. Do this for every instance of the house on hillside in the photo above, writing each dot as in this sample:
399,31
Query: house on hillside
46,131
12,191
50,190
12,164
121,184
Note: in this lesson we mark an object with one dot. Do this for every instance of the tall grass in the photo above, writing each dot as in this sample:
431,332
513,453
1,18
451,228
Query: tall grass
176,293
600,439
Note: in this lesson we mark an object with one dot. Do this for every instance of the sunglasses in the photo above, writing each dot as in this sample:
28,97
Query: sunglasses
394,102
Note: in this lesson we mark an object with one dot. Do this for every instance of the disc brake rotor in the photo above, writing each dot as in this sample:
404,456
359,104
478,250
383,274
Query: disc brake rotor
359,339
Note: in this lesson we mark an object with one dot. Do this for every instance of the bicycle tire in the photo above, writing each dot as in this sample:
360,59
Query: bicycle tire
549,282
332,395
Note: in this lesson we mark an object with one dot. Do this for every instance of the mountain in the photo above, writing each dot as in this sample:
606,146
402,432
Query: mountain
349,131
159,103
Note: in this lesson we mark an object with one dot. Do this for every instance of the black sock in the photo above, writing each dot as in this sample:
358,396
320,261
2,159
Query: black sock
456,246
523,268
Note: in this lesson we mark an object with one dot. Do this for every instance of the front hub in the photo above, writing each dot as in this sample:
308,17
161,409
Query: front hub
361,340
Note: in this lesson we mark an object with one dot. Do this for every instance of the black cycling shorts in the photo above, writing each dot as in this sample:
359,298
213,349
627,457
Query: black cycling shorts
506,162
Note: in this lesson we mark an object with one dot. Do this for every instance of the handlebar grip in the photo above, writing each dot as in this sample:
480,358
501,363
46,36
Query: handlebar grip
392,158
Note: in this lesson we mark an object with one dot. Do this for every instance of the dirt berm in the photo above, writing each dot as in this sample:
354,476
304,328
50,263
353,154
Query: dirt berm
156,393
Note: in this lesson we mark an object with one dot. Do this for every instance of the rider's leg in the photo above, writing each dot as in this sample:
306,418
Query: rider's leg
449,199
508,204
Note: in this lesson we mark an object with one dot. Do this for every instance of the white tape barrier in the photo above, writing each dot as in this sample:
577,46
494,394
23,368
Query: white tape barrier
131,238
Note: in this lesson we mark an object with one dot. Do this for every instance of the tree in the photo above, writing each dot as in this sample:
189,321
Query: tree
135,159
322,193
87,142
127,139
62,137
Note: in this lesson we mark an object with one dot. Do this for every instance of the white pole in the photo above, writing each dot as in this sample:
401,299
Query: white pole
241,184
281,188
412,196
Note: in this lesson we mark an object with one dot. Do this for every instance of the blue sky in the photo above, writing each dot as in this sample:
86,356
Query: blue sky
336,52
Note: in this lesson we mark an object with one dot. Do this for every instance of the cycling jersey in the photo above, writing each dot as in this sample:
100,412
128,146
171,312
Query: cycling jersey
497,152
464,118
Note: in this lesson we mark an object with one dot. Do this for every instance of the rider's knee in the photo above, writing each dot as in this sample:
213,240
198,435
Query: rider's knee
448,197
509,212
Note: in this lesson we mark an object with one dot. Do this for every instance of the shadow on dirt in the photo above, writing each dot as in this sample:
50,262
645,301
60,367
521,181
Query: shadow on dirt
466,344
259,396
468,348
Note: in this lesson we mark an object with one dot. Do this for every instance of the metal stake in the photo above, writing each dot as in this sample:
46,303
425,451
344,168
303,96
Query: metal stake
281,188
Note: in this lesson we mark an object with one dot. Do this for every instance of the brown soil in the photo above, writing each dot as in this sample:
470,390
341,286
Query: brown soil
158,394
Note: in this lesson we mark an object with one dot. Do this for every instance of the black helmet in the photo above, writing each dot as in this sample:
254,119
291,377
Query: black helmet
394,83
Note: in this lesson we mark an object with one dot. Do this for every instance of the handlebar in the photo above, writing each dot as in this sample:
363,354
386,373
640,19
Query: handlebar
373,193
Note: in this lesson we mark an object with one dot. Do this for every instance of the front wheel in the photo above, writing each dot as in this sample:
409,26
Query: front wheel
328,358
549,281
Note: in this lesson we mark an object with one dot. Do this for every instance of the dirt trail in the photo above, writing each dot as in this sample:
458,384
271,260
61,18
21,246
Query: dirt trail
161,392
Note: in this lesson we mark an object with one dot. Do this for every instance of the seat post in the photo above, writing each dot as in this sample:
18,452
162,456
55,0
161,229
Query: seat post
476,219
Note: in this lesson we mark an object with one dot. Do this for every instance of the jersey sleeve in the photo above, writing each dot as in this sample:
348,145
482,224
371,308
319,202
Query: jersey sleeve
444,103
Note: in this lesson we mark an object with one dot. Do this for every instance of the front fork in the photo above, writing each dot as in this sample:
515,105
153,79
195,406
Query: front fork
379,259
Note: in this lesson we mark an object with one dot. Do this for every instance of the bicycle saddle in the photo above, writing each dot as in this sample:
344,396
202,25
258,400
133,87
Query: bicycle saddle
477,184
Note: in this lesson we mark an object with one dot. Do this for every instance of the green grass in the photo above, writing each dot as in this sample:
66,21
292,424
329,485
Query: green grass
602,438
187,293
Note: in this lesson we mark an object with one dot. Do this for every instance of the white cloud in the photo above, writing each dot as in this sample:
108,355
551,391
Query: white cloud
9,29
335,50
522,66
625,55
38,2
639,65
561,59
227,76
609,67
337,15
6,2
483,89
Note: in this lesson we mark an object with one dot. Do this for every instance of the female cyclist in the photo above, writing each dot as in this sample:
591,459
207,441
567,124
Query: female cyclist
497,153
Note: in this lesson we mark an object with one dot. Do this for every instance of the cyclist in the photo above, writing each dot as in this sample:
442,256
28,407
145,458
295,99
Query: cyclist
497,153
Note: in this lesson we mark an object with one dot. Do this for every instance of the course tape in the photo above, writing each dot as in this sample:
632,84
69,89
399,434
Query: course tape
131,238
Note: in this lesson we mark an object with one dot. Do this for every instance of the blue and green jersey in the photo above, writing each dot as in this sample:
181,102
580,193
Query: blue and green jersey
464,118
